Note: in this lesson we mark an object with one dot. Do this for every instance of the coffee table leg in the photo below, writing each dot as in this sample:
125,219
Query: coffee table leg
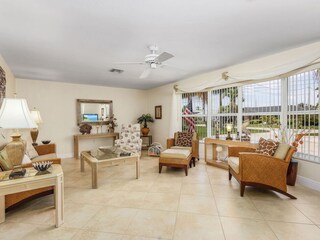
2,209
138,168
81,163
59,201
94,174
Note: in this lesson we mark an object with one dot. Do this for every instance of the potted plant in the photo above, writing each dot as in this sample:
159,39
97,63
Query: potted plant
145,118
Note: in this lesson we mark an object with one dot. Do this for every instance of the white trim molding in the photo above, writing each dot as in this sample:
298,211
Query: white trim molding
307,182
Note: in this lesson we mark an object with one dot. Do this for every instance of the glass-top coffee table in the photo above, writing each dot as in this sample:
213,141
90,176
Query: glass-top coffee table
97,158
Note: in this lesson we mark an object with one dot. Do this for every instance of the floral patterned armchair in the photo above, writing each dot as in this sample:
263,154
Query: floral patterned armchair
130,138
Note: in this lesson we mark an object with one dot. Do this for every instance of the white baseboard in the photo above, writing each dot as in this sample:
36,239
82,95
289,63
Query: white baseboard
65,155
307,182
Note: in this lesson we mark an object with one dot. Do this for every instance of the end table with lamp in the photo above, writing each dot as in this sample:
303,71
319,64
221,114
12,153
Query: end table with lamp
15,114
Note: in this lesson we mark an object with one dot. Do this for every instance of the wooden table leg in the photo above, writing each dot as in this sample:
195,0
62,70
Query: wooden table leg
2,209
76,147
138,167
82,163
59,201
94,173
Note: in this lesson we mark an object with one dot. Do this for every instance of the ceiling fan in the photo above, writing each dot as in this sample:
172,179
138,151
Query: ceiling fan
152,60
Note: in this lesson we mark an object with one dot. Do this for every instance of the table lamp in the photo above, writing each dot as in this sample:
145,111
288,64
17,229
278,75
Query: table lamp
15,114
229,129
35,131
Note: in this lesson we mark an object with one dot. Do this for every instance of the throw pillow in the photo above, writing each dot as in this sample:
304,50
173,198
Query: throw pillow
31,151
282,151
267,147
184,139
5,163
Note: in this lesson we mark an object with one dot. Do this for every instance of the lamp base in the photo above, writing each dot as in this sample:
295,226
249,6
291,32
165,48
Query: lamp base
229,137
17,173
34,135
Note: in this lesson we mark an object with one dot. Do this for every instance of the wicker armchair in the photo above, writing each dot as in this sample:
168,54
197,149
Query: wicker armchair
257,170
171,143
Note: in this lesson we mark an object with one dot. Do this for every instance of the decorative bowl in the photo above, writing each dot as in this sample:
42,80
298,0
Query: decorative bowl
46,141
42,166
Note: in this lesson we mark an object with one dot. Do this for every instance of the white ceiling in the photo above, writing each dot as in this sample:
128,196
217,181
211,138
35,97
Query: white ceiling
78,41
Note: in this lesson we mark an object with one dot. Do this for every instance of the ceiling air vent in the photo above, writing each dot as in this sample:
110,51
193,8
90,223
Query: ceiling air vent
114,70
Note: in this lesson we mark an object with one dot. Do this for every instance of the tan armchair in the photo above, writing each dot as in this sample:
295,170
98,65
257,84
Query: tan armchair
171,143
257,170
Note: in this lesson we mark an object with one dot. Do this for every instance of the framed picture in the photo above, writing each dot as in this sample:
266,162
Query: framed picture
2,85
158,112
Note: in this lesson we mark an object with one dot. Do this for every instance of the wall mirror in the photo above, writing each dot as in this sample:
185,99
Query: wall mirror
93,111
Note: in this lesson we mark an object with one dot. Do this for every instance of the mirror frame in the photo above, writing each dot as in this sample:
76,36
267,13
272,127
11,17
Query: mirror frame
79,115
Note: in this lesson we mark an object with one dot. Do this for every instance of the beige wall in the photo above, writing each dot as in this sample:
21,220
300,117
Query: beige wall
160,96
56,102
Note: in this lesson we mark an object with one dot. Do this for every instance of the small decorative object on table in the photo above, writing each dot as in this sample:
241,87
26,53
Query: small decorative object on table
219,150
42,167
85,128
46,141
112,123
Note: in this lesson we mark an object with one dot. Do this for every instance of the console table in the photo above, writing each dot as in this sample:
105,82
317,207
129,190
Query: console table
228,143
149,139
78,137
32,181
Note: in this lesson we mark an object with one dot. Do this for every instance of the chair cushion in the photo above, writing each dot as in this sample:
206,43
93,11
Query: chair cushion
267,147
183,148
282,151
5,163
234,163
184,139
175,153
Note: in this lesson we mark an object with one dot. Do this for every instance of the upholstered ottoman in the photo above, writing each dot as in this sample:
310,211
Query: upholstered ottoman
178,158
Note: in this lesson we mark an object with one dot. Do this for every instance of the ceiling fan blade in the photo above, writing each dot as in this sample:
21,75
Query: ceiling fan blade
129,63
163,57
145,73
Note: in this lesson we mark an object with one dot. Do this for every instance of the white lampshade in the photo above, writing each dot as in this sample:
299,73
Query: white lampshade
15,114
229,127
36,116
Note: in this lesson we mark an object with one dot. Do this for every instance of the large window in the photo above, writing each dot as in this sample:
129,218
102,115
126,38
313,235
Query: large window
224,110
194,113
289,106
303,112
261,109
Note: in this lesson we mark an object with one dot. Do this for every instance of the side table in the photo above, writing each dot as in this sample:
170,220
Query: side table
292,173
146,141
55,178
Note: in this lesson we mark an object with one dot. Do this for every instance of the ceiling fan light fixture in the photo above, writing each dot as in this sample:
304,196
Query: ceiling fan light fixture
153,65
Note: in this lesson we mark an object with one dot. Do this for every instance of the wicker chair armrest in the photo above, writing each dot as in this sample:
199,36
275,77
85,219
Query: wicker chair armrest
170,142
234,151
45,149
263,169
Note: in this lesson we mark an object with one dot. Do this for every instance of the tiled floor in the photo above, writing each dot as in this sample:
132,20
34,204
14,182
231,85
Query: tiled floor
204,205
